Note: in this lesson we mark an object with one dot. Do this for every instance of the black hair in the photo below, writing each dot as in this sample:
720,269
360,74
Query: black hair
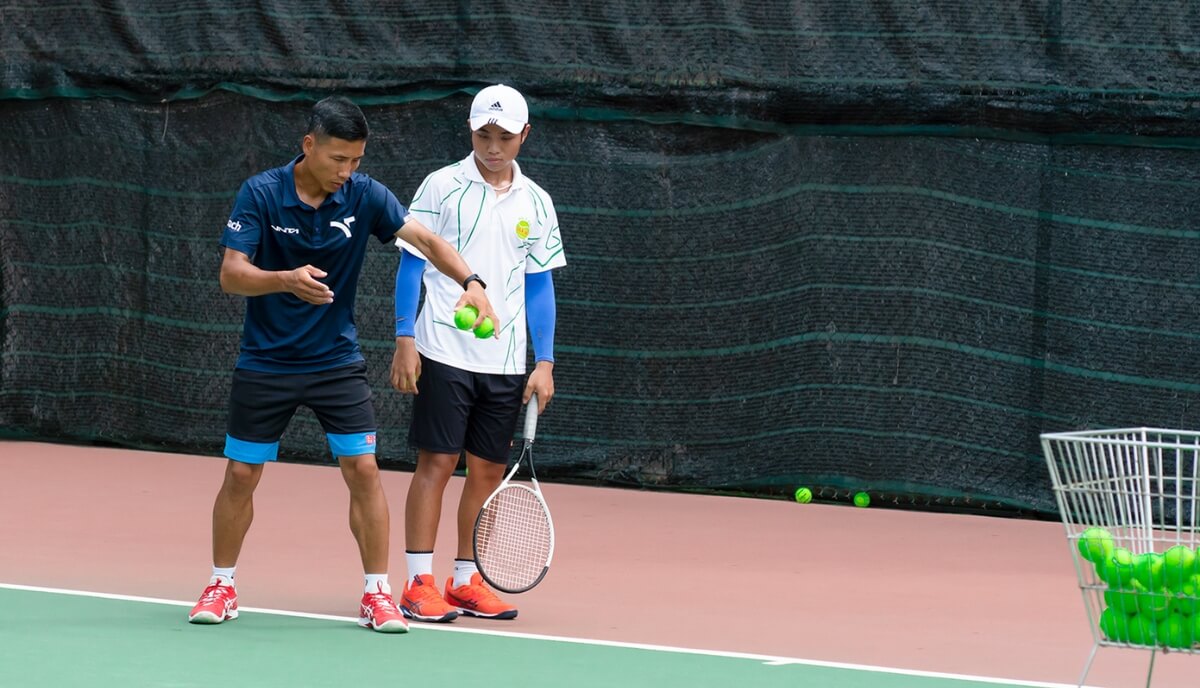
338,117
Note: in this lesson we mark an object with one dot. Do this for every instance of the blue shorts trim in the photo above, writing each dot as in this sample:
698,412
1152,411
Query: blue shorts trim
352,444
250,452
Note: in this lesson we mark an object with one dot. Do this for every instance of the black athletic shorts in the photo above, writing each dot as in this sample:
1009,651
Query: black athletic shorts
458,410
262,404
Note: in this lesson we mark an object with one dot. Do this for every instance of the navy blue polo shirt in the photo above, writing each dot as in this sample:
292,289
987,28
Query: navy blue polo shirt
269,223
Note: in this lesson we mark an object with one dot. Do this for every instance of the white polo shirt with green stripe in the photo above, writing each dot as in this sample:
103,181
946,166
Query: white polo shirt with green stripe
502,238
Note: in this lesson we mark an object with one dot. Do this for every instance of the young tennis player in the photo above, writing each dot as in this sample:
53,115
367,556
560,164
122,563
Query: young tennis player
469,391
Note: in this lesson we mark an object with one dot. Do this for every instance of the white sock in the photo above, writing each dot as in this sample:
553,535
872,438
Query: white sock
377,582
463,570
419,563
224,573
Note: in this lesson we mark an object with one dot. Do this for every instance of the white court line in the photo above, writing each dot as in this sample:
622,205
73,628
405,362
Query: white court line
768,660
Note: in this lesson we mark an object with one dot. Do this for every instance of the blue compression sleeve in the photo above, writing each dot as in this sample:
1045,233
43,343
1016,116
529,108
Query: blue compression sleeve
540,311
408,292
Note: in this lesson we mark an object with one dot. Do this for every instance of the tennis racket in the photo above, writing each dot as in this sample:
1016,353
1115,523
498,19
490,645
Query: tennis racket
514,536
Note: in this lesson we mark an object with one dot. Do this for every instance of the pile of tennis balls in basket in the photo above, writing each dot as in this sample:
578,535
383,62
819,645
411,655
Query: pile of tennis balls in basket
1152,598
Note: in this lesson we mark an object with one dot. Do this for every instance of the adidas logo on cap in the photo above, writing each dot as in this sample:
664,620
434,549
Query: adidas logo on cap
501,105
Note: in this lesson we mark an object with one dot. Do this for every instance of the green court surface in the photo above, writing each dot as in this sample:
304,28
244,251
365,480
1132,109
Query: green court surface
52,639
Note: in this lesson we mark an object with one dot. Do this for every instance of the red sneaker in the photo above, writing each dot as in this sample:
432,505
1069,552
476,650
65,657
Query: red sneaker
219,602
477,599
378,612
422,602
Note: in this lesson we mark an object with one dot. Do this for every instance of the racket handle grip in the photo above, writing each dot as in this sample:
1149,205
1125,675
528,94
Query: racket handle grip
531,414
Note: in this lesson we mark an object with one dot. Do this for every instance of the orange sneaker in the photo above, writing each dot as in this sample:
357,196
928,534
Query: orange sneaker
422,602
477,599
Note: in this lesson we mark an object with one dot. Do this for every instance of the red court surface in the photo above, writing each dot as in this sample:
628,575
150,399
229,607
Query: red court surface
972,595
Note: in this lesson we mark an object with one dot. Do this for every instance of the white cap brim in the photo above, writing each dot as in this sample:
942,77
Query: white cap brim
512,126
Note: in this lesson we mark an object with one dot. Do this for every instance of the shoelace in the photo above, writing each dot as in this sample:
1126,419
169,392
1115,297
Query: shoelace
378,600
213,593
423,592
481,593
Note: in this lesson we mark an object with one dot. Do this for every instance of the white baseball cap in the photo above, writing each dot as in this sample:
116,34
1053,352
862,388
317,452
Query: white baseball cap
502,105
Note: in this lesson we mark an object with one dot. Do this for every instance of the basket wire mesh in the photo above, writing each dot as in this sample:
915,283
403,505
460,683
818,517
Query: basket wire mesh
1127,499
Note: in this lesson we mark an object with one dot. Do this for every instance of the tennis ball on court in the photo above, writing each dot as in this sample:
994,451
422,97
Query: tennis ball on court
803,495
1096,544
485,329
464,317
862,500
1179,563
1148,570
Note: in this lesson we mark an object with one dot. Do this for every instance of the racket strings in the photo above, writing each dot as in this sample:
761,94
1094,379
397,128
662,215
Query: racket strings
514,539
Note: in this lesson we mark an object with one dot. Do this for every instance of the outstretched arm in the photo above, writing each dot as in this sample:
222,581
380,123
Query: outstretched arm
449,263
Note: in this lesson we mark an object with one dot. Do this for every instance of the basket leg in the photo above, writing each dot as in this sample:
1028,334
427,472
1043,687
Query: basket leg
1150,671
1088,666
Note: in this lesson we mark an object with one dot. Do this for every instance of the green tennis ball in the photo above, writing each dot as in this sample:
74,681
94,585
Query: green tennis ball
1095,544
485,329
862,500
1117,570
1176,631
1187,602
1114,625
465,317
1122,601
803,495
1154,605
1142,630
1148,570
1179,564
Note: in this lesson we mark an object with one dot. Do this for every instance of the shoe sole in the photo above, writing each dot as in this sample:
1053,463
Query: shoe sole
396,626
510,614
445,618
208,618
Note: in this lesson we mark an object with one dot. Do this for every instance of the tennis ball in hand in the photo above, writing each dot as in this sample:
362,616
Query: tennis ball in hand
862,500
803,495
485,329
464,317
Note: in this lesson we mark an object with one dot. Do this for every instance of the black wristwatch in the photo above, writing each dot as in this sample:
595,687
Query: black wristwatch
473,278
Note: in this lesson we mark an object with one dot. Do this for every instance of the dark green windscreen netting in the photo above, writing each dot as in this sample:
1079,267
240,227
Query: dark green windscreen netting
871,246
